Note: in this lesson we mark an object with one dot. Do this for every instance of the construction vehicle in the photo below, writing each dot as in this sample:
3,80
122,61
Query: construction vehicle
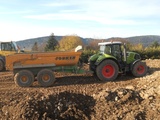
114,59
6,48
107,64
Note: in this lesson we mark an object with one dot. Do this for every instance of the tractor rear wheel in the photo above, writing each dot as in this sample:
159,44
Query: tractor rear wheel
24,78
107,70
1,65
139,69
46,78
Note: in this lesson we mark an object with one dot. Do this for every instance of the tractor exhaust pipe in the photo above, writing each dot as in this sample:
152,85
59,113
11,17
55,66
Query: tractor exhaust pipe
125,53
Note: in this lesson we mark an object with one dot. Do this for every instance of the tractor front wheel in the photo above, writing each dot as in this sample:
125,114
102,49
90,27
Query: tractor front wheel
139,69
107,70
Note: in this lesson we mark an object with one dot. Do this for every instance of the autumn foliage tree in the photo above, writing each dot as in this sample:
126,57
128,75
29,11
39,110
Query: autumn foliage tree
69,42
52,43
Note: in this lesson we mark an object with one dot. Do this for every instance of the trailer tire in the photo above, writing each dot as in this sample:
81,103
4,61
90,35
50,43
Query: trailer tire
1,65
24,78
139,69
107,70
46,78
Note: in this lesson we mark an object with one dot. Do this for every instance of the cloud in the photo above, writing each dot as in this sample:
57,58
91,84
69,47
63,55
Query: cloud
58,4
62,3
15,12
83,17
108,12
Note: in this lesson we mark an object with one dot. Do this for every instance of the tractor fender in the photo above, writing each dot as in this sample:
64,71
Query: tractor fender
133,63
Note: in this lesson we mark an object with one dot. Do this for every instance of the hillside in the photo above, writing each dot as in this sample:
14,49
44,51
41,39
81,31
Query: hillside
28,43
145,40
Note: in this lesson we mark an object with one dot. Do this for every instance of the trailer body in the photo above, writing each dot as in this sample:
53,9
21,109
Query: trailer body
40,65
50,59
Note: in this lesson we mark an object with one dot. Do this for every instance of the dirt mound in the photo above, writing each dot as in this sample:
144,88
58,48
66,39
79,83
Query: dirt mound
60,106
124,104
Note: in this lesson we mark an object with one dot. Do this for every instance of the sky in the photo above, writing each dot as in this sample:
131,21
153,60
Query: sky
99,19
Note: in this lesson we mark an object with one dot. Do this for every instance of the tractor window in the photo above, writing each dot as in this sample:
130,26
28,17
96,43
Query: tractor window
7,47
116,50
107,49
102,49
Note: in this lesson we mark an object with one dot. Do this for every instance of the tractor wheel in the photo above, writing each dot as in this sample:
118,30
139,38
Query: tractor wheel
46,78
24,78
107,70
139,69
1,65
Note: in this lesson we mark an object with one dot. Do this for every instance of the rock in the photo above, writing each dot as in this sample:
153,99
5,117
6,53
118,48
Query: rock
116,98
151,97
130,87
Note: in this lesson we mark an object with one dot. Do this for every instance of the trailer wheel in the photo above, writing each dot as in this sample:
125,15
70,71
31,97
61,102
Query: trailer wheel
107,70
139,69
46,78
24,78
1,65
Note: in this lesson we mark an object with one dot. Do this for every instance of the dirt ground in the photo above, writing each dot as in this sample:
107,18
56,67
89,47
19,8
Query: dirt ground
83,97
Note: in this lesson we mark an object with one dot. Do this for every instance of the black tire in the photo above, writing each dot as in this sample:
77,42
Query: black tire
139,69
1,65
107,70
24,78
46,78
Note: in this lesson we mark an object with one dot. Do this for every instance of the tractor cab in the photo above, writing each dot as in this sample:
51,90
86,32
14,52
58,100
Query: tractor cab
115,49
119,52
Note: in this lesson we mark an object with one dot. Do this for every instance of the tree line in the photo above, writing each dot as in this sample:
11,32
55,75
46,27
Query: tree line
71,41
66,43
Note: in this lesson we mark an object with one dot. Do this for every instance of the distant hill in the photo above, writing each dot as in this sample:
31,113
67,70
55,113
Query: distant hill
28,43
145,40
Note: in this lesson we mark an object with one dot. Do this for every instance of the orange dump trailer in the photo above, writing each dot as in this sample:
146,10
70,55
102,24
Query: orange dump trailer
28,66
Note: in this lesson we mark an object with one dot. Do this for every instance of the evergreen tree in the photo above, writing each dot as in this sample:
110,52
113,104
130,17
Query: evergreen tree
52,43
35,47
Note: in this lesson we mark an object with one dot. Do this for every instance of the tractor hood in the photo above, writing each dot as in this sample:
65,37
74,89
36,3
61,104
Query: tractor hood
132,56
99,57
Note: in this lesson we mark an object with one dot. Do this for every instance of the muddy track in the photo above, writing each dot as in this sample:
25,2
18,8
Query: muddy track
84,97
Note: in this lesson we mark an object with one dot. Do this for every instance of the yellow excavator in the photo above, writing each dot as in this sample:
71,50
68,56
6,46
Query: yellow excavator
6,48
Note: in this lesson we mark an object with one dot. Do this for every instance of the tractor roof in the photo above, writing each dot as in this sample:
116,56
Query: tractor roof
109,43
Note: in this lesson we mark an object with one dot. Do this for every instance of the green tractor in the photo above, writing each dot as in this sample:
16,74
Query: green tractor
113,59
